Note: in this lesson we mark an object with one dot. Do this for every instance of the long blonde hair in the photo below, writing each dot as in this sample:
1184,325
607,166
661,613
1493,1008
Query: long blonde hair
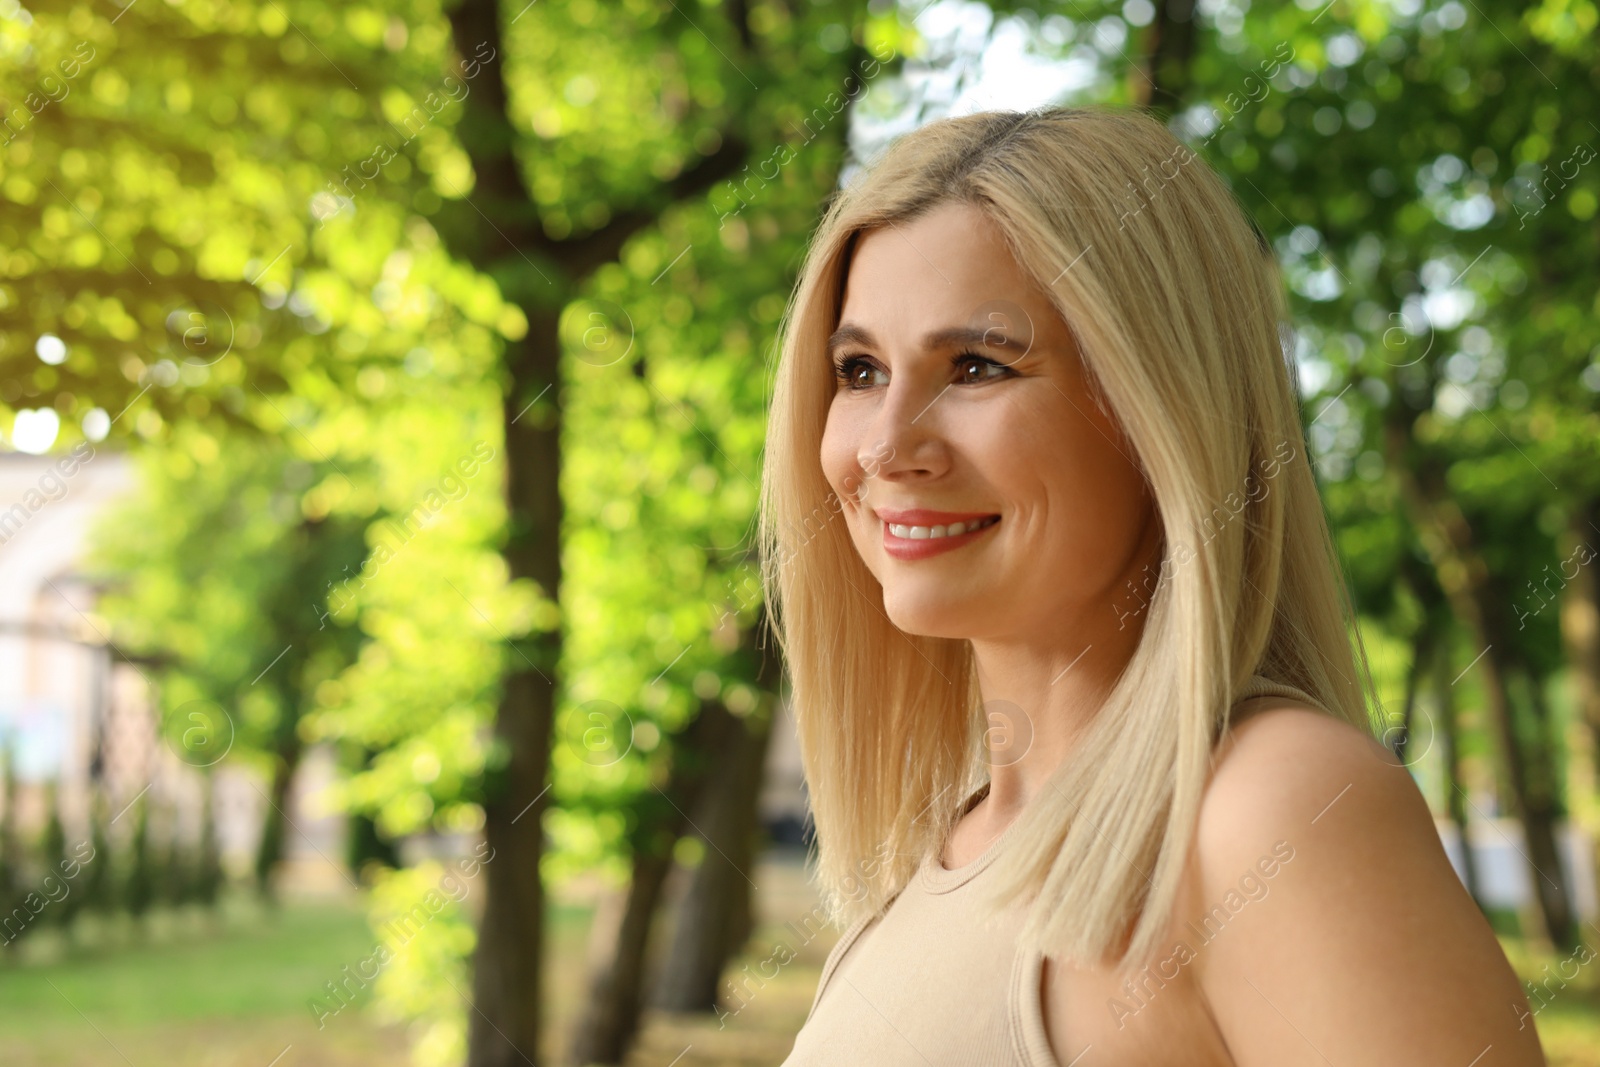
1175,303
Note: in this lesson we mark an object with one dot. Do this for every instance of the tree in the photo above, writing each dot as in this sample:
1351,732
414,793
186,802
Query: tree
216,566
1439,308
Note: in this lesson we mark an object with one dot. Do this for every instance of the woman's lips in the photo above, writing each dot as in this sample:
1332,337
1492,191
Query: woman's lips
908,547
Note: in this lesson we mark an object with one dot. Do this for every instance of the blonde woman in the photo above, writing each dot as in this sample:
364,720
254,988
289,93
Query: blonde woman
1084,731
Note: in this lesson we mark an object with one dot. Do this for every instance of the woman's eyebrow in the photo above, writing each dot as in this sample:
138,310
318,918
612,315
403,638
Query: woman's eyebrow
947,337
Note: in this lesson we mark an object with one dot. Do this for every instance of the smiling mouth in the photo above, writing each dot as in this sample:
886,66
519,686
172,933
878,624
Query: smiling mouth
909,542
933,533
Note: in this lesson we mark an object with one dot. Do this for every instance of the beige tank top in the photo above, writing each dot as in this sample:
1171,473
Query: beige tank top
932,980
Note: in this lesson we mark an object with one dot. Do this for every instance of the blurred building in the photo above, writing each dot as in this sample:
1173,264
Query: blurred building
57,676
78,716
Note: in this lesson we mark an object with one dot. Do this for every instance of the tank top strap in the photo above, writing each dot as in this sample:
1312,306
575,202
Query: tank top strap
1029,1040
1259,685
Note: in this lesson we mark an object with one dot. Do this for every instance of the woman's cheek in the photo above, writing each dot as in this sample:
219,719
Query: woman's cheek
839,456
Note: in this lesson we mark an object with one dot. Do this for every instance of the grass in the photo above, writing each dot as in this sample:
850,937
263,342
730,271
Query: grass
232,992
249,966
218,991
1566,1013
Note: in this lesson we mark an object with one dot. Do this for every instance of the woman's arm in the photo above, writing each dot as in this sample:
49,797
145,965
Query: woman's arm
1362,947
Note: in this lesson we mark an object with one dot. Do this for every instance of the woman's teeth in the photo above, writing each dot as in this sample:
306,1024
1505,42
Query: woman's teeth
922,533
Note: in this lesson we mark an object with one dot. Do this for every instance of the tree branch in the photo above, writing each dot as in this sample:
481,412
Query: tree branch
604,244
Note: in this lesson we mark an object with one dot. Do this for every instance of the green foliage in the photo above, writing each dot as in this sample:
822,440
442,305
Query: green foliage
416,916
53,851
169,174
13,873
144,865
1427,177
220,570
99,885
208,877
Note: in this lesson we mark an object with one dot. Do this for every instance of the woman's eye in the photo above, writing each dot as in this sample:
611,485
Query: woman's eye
972,369
854,372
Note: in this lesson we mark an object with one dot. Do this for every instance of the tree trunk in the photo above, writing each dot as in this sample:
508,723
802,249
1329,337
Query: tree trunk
610,1018
1545,809
717,914
210,877
275,819
1580,634
1475,596
1164,79
1448,733
1422,652
505,1024
1425,643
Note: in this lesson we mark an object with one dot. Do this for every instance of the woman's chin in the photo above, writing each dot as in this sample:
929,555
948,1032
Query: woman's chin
941,616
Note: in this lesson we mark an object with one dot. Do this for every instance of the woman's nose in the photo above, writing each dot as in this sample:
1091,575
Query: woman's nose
905,436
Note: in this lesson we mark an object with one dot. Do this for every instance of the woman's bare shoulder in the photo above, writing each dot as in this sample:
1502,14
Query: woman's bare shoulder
1323,899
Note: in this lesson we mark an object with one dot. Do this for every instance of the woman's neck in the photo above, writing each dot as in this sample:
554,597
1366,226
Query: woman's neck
1037,701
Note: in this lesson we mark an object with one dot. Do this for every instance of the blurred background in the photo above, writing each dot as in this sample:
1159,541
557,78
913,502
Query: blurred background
382,393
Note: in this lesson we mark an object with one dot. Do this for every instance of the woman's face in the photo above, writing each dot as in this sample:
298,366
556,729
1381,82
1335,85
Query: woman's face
998,429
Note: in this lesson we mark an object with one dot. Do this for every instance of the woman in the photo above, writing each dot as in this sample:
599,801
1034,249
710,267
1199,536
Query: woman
1087,749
